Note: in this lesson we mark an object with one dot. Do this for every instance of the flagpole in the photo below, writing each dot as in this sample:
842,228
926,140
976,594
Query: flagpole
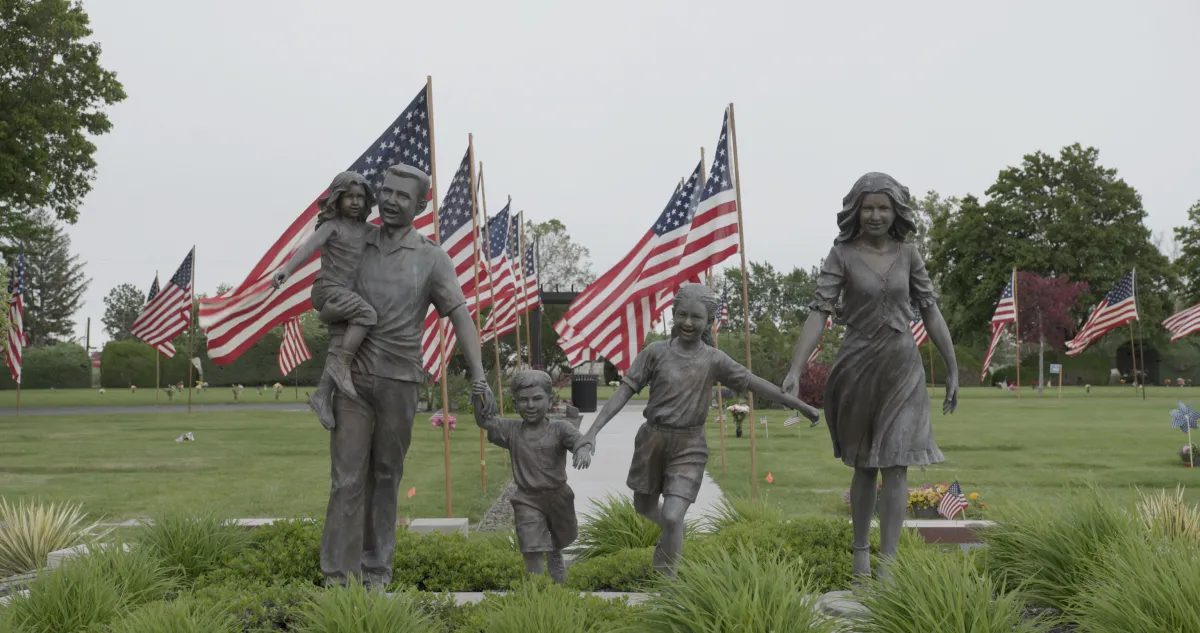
19,398
478,308
191,329
712,284
1142,347
487,239
437,238
524,296
737,186
157,355
519,275
1017,329
932,381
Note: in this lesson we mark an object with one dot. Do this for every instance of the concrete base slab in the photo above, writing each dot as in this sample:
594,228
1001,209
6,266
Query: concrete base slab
441,526
841,604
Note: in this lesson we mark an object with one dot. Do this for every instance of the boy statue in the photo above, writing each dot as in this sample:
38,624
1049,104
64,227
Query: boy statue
543,505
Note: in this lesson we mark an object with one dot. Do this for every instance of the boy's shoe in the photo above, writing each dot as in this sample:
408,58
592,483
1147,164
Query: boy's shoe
323,406
339,370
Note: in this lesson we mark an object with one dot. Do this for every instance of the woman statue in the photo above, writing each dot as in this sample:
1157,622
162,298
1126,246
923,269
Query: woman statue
876,405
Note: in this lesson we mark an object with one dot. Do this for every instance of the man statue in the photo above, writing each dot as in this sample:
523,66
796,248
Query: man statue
401,275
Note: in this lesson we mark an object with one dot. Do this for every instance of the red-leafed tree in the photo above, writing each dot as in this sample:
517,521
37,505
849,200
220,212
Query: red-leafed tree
1046,308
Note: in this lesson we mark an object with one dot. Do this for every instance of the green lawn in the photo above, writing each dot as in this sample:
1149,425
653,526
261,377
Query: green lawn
1010,452
62,398
242,464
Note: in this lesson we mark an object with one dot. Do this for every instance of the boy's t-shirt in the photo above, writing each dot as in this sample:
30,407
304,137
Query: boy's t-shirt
539,453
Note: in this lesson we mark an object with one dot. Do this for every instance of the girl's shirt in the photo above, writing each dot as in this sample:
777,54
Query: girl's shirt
342,252
681,383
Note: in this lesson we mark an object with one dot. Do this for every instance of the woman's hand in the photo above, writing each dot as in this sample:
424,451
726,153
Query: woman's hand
791,383
951,402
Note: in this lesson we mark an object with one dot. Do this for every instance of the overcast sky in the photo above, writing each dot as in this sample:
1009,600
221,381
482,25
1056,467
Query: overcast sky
240,112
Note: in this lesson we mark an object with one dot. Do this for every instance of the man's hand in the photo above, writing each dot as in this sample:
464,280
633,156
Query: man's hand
483,393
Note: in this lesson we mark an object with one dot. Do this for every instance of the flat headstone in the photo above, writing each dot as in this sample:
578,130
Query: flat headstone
470,597
442,526
841,604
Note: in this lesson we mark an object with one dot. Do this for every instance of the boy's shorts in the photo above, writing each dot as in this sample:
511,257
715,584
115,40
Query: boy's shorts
545,519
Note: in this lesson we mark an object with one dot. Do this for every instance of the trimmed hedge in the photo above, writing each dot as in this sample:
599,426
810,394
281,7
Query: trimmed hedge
58,366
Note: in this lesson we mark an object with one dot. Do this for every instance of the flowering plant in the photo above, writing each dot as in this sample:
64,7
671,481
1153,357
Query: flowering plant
1186,453
739,411
436,420
927,498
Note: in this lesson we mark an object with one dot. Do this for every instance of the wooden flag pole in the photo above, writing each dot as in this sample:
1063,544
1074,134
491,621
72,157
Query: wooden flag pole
1133,358
441,327
1060,373
524,284
1141,347
1017,330
478,310
191,329
737,188
518,275
487,239
932,382
19,398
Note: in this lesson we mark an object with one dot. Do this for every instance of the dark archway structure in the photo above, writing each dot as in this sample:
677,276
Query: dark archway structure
1125,361
549,297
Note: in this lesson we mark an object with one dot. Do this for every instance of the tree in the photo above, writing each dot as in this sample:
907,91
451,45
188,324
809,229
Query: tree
773,296
121,308
53,95
926,209
1045,307
1188,263
1052,216
54,284
562,263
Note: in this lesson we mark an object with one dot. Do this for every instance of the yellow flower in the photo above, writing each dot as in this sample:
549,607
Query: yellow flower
974,496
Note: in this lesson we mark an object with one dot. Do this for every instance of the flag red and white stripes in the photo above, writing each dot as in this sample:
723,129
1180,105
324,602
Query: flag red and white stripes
234,320
918,331
166,348
1006,312
713,236
168,312
292,349
15,339
1183,323
613,314
813,355
953,502
1118,308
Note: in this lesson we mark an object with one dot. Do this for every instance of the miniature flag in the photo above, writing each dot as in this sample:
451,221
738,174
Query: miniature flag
412,492
795,419
953,502
770,479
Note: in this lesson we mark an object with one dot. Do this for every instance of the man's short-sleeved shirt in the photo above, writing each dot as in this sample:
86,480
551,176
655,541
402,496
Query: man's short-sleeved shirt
401,278
681,384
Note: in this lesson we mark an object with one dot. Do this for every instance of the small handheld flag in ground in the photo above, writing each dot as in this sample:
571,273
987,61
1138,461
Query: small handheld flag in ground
412,492
792,421
1184,418
770,479
953,502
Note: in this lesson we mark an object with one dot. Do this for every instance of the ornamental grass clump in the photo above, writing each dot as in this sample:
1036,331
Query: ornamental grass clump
733,509
30,531
193,545
179,616
614,526
354,609
1046,550
730,591
932,592
538,606
1142,584
1166,514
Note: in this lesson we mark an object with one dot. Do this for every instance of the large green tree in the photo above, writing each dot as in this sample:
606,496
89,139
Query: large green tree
562,263
775,296
52,100
1064,215
54,284
1188,263
121,309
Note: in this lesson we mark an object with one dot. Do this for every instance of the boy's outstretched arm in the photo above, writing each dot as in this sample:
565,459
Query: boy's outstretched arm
307,249
768,390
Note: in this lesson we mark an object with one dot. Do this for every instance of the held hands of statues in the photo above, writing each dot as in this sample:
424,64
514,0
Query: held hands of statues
791,384
279,278
483,399
583,457
951,402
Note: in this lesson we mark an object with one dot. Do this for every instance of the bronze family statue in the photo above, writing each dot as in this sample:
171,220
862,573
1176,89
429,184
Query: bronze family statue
876,405
670,451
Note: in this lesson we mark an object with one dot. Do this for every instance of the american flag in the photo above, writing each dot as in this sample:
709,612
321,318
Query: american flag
953,502
169,312
16,319
612,315
1006,312
1184,323
1118,308
166,348
918,331
236,319
713,236
828,326
292,349
459,239
792,421
528,298
500,237
511,301
722,314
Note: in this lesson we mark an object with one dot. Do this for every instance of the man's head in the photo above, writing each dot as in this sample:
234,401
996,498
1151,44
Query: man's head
402,195
532,390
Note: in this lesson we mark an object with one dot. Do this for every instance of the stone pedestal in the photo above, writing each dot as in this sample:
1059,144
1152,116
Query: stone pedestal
442,526
841,604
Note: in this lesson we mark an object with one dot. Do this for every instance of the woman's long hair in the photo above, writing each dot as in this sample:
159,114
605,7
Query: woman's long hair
701,293
327,204
876,182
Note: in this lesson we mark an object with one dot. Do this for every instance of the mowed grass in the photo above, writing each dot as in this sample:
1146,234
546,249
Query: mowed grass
244,463
1010,452
71,398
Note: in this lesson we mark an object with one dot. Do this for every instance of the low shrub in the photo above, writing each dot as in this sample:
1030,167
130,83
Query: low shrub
1046,549
933,592
191,544
626,570
740,590
354,609
451,562
29,531
1167,515
180,616
733,509
537,606
282,552
90,592
1141,584
256,605
616,526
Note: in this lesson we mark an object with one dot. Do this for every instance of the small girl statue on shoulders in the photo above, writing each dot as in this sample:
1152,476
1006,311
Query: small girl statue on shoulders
670,451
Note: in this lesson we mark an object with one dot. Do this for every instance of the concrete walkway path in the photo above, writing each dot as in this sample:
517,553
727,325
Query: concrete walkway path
610,466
